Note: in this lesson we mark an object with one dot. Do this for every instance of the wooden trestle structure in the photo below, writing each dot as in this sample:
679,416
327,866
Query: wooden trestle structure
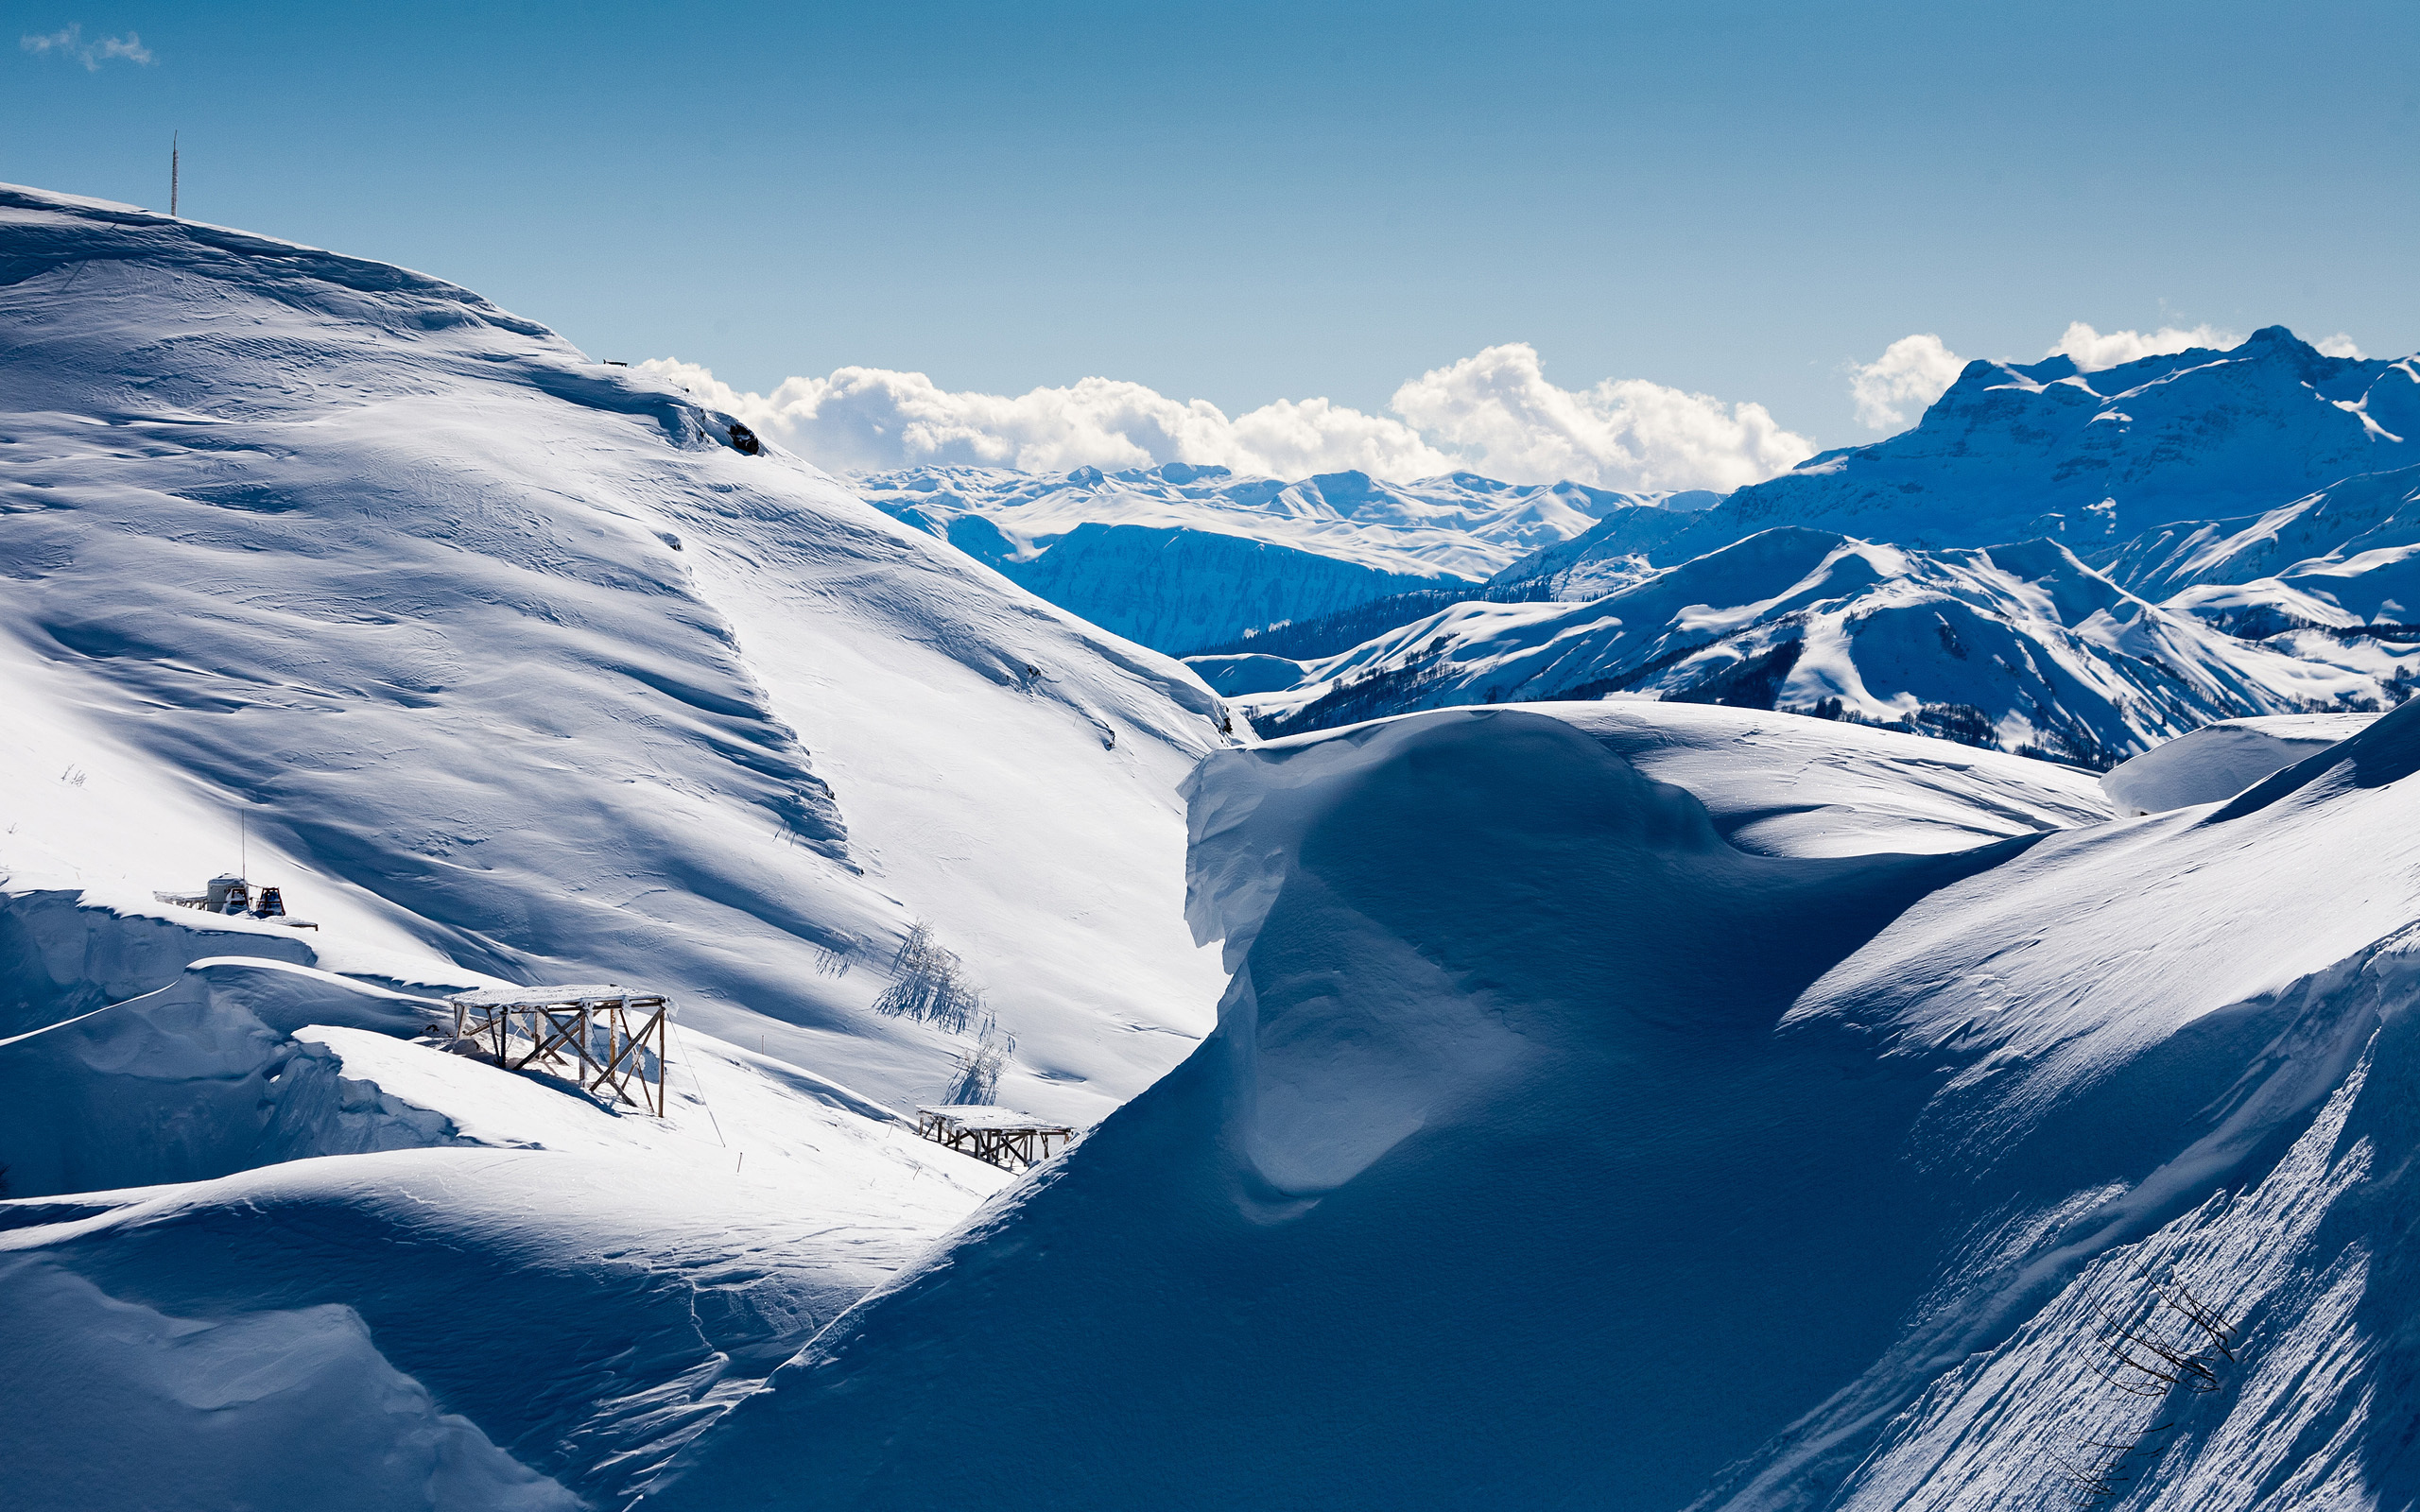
999,1136
608,1040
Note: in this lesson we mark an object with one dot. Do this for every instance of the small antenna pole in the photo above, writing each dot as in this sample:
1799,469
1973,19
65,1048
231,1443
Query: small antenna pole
243,845
172,173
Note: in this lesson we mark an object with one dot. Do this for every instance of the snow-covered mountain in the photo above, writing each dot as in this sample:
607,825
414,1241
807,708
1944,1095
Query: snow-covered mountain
1184,558
1553,1151
2022,648
1634,1104
513,663
2018,451
1863,583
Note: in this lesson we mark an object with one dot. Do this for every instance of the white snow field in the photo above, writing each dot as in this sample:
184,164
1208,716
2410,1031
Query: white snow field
1554,1152
2018,647
2220,760
1184,558
268,1254
516,663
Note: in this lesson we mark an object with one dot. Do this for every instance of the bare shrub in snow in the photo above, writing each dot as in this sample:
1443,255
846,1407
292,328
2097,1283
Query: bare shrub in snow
928,985
977,1077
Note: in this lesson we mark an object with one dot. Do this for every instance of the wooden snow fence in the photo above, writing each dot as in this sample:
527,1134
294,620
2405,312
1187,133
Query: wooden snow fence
999,1136
608,1040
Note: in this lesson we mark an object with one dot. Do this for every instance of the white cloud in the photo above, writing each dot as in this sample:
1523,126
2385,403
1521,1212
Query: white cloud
1494,413
2093,352
2338,345
1501,415
69,42
1912,371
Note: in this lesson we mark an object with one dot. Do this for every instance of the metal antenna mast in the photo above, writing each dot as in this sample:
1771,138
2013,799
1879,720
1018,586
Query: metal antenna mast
172,173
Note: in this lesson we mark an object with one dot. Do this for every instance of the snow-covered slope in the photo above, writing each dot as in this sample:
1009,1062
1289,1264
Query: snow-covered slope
1553,1152
1784,785
2345,559
2367,513
2216,762
265,1253
2015,450
515,662
1182,558
2020,646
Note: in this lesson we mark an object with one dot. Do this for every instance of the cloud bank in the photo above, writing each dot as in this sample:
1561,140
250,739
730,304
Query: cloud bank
1495,413
69,42
2092,351
1911,372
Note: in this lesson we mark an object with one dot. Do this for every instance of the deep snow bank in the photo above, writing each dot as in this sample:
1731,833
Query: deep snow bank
1438,1196
1553,1152
1784,785
2219,760
200,1078
406,1277
518,664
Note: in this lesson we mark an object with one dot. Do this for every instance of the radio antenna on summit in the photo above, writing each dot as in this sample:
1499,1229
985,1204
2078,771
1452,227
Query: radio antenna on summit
172,173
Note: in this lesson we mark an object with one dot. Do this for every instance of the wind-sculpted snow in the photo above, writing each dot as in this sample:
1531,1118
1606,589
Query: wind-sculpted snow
266,1252
1184,558
2216,762
519,664
1782,785
200,1078
1553,1152
2018,647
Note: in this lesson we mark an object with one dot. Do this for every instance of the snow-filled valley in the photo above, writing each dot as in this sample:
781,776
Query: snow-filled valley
1187,558
1691,1024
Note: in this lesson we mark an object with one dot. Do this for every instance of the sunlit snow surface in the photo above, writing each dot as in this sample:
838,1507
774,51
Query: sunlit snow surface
2218,760
2022,646
385,1276
1554,1151
1614,1105
511,661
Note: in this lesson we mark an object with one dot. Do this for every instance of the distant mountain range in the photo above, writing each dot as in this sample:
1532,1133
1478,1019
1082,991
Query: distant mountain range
1181,557
2066,563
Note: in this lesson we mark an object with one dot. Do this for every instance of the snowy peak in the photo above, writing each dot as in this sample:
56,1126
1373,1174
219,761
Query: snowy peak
2092,458
2019,646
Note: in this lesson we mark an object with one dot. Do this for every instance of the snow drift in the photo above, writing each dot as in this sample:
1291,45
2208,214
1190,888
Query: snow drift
1554,1152
2218,760
265,1252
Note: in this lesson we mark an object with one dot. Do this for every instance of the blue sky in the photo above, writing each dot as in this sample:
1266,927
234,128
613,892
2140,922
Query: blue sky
1245,202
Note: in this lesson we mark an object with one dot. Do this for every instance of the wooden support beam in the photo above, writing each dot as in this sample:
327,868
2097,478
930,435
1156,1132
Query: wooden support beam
599,1042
